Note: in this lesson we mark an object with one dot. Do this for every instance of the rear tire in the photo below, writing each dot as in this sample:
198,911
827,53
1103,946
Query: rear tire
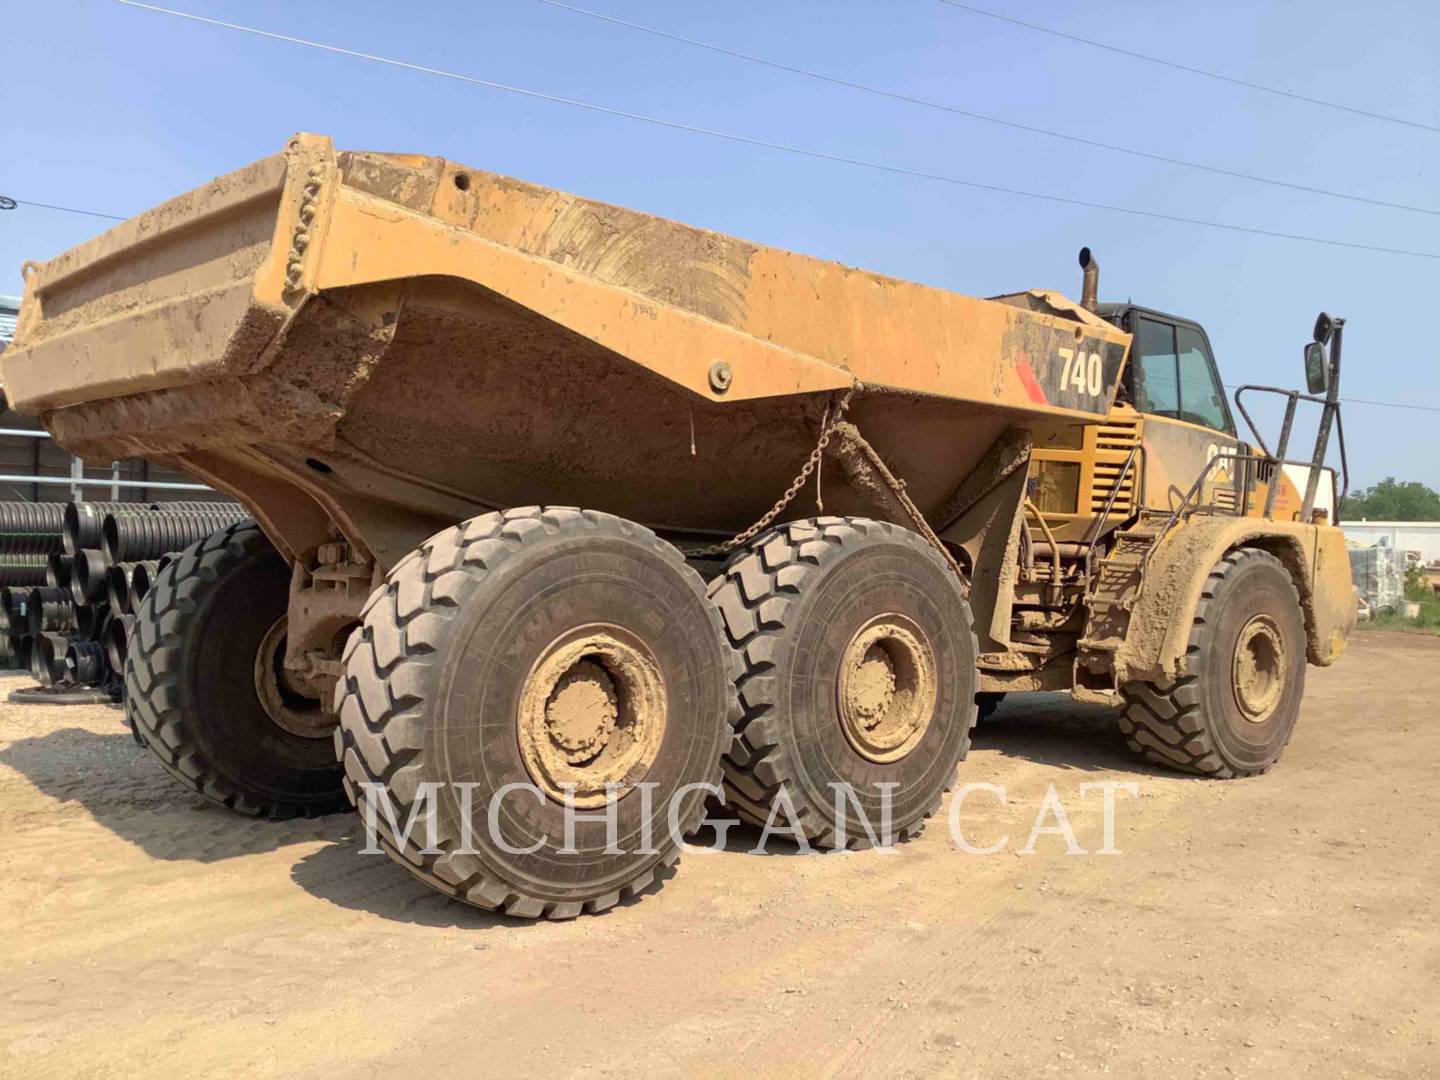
807,606
463,672
199,694
1234,709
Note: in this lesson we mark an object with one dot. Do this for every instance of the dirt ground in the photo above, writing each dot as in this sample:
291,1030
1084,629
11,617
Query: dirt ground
1287,925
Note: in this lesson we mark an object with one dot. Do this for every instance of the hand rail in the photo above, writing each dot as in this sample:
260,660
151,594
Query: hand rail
1093,533
1292,397
1198,485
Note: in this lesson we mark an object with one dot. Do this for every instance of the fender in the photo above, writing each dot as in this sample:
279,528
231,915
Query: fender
1160,621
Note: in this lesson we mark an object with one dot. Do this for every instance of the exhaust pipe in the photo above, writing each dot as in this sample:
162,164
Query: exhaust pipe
1090,289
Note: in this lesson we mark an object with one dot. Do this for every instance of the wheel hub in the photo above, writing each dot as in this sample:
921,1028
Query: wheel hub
581,711
1259,668
887,688
592,715
292,702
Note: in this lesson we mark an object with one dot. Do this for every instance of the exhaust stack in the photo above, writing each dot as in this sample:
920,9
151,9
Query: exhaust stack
1090,289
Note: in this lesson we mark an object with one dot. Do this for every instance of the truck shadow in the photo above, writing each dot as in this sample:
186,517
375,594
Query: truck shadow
1056,730
343,874
124,789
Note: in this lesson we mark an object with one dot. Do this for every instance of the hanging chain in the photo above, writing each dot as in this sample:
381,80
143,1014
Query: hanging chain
827,429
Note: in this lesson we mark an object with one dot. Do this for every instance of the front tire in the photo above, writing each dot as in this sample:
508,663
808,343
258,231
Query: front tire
205,687
1233,710
535,654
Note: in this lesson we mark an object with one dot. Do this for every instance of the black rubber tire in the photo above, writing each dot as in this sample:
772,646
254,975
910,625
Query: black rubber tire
434,675
1193,723
985,705
190,681
793,599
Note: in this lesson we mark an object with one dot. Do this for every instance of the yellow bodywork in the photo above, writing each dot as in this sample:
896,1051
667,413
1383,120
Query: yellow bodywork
1160,623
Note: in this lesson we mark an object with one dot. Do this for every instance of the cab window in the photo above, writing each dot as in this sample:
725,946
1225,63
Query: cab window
1202,401
1172,375
1156,370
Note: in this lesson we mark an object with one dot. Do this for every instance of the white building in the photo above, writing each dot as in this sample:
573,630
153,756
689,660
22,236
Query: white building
9,309
1421,536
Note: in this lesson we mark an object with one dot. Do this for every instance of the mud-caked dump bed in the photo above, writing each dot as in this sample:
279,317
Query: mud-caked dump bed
392,343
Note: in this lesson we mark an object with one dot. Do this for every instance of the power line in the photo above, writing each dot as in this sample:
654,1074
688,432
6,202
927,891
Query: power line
817,155
1390,404
957,111
68,209
1186,67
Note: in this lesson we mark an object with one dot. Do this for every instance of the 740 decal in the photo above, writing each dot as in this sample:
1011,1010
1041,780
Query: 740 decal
1084,372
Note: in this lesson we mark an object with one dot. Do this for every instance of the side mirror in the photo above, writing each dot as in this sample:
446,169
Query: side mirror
1324,327
1317,368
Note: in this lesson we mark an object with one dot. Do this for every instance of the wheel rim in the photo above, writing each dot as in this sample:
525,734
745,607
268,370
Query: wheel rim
886,690
592,715
293,704
1259,668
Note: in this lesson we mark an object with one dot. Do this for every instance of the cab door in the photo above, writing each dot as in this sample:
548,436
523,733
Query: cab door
1172,380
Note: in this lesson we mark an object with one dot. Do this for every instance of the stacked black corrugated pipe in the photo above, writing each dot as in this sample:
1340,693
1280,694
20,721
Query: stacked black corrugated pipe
74,631
131,537
128,582
30,534
23,569
31,528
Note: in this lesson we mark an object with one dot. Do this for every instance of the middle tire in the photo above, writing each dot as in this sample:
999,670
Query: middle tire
523,658
859,669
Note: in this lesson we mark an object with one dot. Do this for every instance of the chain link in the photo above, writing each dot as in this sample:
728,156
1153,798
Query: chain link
796,485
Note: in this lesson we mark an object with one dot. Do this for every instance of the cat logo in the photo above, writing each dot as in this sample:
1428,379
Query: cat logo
1220,474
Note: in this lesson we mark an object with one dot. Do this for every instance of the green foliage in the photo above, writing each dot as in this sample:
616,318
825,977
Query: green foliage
1418,588
1391,500
1427,622
1417,585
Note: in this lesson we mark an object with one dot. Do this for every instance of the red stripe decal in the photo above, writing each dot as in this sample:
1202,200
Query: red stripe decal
1028,380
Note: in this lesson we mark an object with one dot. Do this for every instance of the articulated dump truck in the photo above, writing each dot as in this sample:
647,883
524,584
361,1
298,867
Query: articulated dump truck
564,510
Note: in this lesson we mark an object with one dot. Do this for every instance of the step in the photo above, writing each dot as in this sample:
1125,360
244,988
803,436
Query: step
1126,563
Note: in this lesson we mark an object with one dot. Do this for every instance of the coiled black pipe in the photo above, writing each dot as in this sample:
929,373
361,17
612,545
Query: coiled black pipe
142,577
132,537
117,586
57,570
20,649
50,610
82,522
28,528
23,569
87,576
90,621
195,505
85,663
47,659
15,604
117,642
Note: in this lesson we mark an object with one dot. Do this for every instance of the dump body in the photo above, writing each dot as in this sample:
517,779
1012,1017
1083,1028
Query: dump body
393,343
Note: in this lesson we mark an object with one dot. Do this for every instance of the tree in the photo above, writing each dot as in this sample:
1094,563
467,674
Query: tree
1391,500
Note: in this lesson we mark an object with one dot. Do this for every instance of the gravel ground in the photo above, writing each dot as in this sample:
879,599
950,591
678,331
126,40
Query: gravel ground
1281,926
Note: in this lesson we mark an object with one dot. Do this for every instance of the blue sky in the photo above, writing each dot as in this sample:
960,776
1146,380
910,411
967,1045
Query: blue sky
113,109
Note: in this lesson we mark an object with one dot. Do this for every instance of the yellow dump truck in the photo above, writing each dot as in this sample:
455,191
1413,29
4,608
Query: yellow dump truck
559,505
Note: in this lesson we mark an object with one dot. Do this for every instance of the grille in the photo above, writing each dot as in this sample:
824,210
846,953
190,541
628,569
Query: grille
1113,442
